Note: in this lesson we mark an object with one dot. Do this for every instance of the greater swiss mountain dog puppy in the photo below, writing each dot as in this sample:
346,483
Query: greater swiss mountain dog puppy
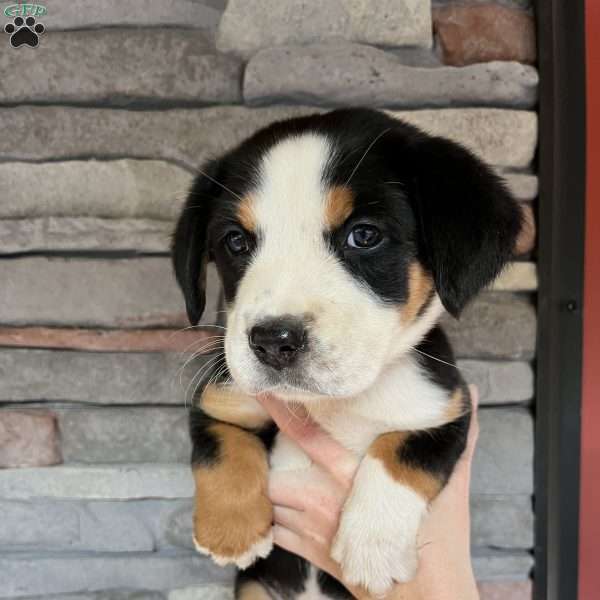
340,239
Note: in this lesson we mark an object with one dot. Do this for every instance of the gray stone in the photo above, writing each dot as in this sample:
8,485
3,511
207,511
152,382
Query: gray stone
99,482
29,524
343,74
124,435
104,595
113,189
86,14
203,592
51,234
491,565
99,377
496,325
502,521
249,25
123,293
499,382
503,462
93,526
123,66
30,574
501,137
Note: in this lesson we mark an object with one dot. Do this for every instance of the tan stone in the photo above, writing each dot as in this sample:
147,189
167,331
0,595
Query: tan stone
102,340
472,34
28,439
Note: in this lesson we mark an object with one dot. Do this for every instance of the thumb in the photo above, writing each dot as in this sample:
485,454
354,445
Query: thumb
321,448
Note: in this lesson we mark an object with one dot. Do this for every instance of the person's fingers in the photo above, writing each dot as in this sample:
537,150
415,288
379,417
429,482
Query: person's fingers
315,442
286,489
305,524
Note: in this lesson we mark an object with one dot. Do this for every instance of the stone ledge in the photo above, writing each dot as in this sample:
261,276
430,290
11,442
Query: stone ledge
249,25
117,293
123,66
502,137
99,482
35,574
116,189
31,574
343,74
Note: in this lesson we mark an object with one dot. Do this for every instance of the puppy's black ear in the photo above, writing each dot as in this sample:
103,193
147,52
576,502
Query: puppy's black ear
189,246
468,220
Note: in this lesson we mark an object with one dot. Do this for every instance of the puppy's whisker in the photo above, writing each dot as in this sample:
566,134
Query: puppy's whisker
224,187
365,154
188,361
219,340
435,358
211,364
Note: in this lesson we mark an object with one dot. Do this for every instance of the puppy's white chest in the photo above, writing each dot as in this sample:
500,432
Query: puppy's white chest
403,399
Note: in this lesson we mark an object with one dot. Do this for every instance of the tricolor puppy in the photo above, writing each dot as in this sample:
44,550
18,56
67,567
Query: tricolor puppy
340,239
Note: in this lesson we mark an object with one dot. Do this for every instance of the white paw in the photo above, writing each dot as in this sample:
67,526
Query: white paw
260,549
376,542
377,562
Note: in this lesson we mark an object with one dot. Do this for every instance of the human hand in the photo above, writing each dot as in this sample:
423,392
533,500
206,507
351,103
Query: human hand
308,504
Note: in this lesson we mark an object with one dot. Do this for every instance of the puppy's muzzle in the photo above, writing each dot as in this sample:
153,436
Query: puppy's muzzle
277,342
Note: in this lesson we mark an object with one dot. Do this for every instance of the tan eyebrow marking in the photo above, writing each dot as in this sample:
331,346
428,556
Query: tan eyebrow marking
420,285
245,213
339,204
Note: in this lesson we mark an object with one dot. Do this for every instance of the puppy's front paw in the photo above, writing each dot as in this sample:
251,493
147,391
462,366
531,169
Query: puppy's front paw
376,543
235,532
233,516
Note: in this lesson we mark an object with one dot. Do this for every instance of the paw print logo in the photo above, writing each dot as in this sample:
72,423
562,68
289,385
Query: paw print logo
24,32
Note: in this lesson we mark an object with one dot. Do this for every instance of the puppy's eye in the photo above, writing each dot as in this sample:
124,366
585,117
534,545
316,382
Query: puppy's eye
364,236
237,242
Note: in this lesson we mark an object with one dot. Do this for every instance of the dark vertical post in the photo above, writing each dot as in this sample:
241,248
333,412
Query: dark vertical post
561,51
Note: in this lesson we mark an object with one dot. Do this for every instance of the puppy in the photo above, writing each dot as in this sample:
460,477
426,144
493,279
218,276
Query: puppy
340,239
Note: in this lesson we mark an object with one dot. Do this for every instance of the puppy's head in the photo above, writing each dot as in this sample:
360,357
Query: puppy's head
339,239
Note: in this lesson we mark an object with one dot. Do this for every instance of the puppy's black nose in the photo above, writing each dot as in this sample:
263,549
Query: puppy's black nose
276,342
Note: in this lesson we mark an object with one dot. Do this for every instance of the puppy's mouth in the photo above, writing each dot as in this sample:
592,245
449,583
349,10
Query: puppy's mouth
291,385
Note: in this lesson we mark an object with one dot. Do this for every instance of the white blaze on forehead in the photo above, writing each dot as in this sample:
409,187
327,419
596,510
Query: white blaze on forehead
289,203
